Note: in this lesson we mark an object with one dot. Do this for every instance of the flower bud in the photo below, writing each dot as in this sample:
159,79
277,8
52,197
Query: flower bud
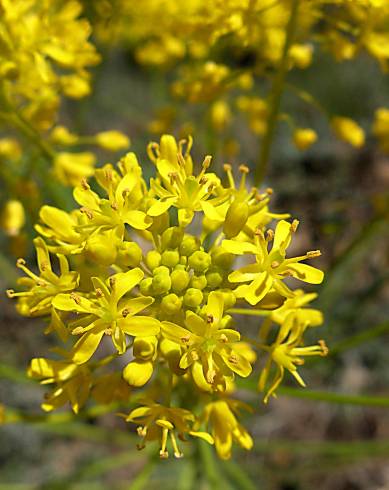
303,138
137,373
130,254
101,250
222,259
229,298
12,217
170,258
162,269
153,259
236,218
112,140
199,261
198,282
145,286
193,297
144,347
171,304
214,279
161,283
172,237
180,280
189,245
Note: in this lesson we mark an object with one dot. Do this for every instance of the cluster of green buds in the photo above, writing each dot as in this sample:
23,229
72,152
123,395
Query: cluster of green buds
144,285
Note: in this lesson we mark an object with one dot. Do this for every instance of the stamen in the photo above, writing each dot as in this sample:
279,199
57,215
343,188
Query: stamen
274,264
125,312
244,169
269,235
210,377
163,453
87,211
99,292
294,225
210,318
194,356
223,338
112,282
77,331
185,339
313,253
177,453
324,348
153,151
141,431
85,185
115,206
75,298
233,359
108,331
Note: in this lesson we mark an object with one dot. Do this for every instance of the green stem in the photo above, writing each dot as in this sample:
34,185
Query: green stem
275,98
360,338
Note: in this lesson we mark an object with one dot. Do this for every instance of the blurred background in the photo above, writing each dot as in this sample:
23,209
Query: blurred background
339,194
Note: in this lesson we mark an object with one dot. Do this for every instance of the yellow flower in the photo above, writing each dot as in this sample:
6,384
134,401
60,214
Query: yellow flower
272,266
286,352
348,130
176,186
12,217
41,290
224,427
112,140
157,422
108,312
209,347
73,383
71,168
303,138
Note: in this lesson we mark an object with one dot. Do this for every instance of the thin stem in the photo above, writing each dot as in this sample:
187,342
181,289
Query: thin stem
246,311
275,98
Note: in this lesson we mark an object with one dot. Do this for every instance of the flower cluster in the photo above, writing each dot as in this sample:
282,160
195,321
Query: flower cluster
143,284
45,55
220,50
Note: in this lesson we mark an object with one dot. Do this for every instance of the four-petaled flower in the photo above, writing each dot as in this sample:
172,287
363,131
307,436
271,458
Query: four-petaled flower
108,312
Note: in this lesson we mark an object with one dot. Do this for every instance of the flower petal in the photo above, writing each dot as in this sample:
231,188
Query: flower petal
140,326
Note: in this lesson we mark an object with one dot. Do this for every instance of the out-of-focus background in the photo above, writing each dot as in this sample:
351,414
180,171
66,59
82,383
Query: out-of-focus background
339,194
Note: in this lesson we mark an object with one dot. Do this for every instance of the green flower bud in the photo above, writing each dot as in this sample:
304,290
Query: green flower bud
236,218
162,269
189,245
172,237
180,280
193,297
170,258
214,279
229,298
199,261
144,347
171,304
145,286
130,254
101,250
198,282
153,259
222,259
161,283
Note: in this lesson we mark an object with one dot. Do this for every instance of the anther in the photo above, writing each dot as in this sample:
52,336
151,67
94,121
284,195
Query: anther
324,348
233,359
207,162
10,293
210,318
140,447
75,298
44,266
112,282
141,431
269,191
99,292
194,355
211,376
185,339
77,331
223,338
125,312
163,454
269,235
203,180
313,253
108,331
20,263
114,206
85,185
294,225
227,167
244,169
274,264
86,211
